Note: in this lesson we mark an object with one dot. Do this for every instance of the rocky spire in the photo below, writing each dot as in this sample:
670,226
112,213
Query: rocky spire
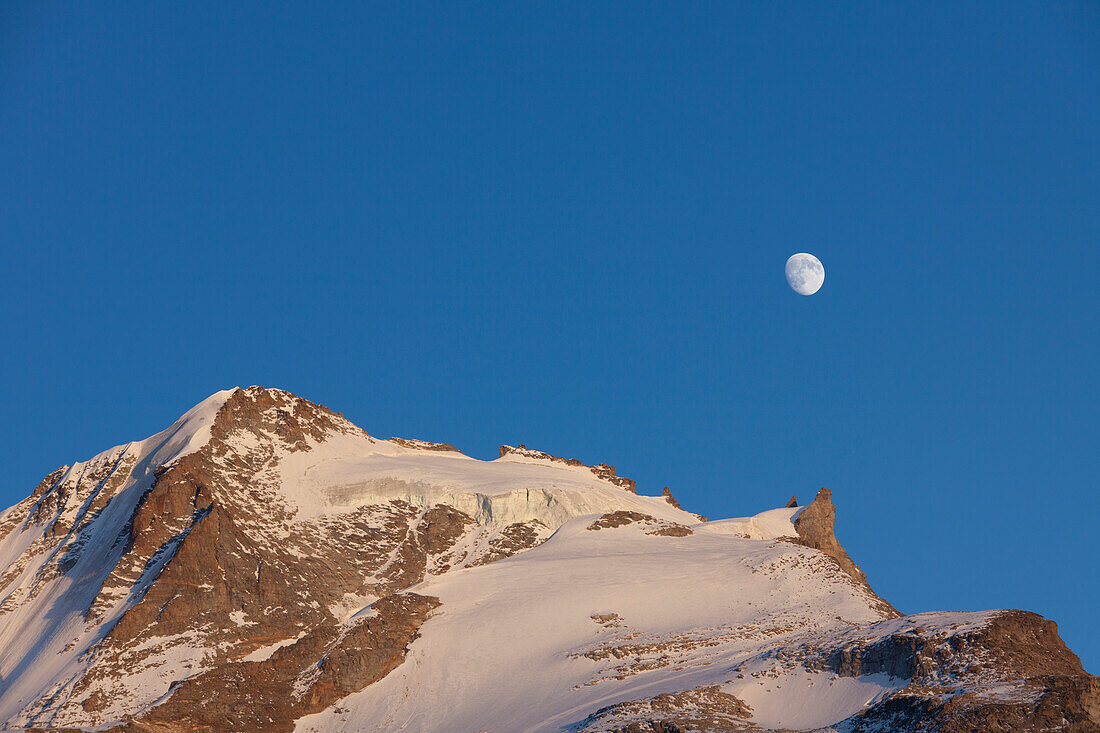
814,524
667,494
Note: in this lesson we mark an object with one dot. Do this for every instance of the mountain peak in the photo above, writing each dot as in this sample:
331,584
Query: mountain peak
264,563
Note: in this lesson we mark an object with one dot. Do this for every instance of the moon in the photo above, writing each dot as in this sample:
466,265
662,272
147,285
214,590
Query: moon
805,273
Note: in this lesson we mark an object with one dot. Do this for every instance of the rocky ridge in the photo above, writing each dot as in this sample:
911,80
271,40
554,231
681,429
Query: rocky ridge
600,470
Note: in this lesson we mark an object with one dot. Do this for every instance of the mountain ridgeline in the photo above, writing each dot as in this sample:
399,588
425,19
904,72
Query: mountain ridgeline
265,565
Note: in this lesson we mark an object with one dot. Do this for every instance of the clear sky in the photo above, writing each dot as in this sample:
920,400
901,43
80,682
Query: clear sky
565,225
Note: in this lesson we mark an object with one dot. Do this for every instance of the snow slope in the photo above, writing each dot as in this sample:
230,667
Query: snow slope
687,611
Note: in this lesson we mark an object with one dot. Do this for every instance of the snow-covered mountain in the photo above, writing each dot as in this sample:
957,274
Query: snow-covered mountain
264,564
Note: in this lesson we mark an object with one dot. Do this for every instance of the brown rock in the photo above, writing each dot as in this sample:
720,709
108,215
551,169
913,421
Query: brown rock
621,518
667,494
700,709
601,470
814,525
425,445
270,695
1015,646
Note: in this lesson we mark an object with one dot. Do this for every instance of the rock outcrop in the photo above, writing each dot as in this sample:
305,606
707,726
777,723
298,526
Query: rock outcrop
951,676
667,494
814,524
600,470
815,529
425,445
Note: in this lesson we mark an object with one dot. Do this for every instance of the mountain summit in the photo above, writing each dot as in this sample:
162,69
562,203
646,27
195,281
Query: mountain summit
265,565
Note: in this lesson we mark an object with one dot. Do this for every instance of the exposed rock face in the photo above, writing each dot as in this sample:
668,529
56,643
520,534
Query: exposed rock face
327,664
815,529
700,709
1009,673
655,526
618,519
1064,704
512,539
264,564
814,524
1015,647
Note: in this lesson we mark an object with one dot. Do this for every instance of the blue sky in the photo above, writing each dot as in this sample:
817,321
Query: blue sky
565,225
